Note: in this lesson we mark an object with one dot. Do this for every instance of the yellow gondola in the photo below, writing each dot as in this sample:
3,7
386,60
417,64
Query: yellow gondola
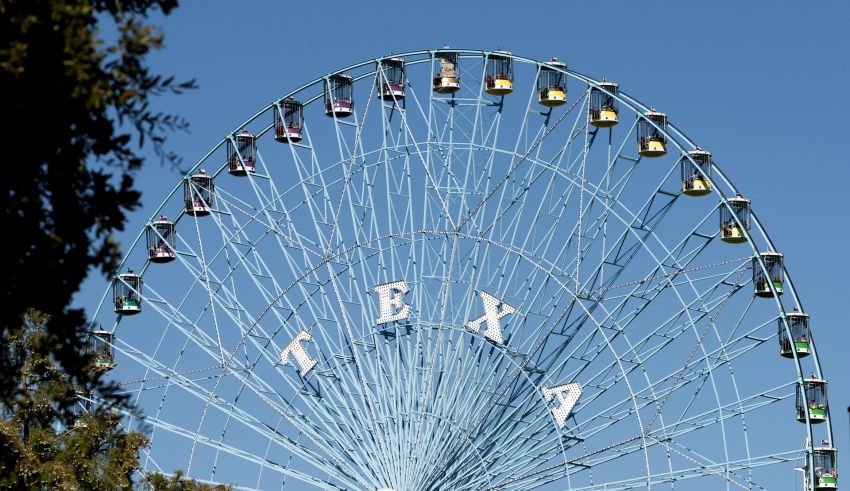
604,109
696,170
735,220
552,84
499,75
651,139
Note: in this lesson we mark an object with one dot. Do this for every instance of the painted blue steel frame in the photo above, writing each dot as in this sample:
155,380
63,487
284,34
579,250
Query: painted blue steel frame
460,230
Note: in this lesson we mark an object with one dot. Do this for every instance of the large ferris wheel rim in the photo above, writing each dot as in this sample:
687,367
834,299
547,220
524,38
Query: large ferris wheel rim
677,137
633,104
636,106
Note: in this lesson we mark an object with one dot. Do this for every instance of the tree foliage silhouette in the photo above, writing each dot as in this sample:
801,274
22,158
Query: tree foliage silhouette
77,115
43,443
47,439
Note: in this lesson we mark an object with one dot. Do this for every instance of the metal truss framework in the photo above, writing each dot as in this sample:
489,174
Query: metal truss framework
618,281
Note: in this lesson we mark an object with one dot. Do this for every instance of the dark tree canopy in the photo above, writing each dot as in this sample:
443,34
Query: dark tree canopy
42,444
176,482
77,115
47,441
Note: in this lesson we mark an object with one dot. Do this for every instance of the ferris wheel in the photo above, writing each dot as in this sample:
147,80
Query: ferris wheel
464,269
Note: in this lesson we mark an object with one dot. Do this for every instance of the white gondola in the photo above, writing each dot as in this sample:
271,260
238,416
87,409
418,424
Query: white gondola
161,236
447,79
242,153
339,96
198,192
825,460
288,121
391,79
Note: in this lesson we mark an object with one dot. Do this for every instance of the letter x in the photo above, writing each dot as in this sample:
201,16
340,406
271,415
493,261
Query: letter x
494,309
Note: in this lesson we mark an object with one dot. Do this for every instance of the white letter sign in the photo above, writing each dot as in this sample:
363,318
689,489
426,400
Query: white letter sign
494,309
567,395
304,361
389,298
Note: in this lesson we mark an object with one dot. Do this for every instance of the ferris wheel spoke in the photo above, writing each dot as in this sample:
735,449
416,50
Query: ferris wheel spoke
537,447
207,343
625,234
425,399
521,147
623,254
619,327
729,410
474,286
296,387
243,455
199,392
333,399
397,207
695,423
236,240
315,183
701,346
333,448
228,299
426,158
175,321
543,243
350,158
284,248
523,428
231,421
240,309
645,291
497,394
499,186
675,476
172,373
489,408
721,469
306,390
205,279
718,471
482,136
367,395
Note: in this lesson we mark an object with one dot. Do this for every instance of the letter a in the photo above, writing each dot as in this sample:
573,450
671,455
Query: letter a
389,300
494,309
304,361
568,395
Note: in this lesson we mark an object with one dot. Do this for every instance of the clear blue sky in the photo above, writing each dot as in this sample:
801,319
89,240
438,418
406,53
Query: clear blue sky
760,84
